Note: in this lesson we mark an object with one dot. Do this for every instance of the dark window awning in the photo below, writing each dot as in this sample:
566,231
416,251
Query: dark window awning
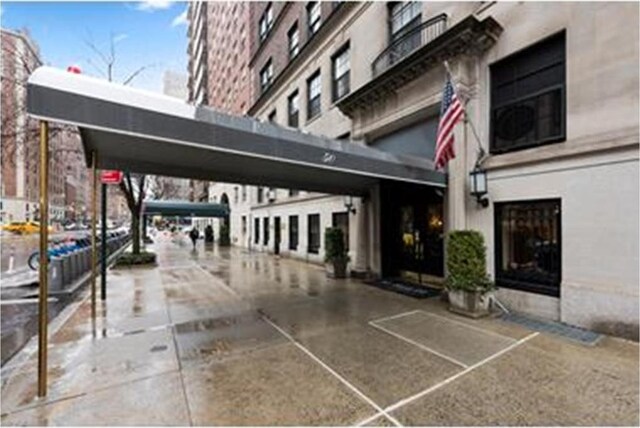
184,209
143,132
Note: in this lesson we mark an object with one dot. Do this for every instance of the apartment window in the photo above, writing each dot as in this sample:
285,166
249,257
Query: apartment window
260,194
235,195
256,229
528,97
528,246
272,116
265,222
294,41
313,233
266,75
294,109
266,22
314,90
244,225
293,232
404,16
341,221
314,16
244,193
341,73
293,192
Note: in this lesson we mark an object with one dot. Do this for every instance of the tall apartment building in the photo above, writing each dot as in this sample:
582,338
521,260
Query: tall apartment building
553,100
19,188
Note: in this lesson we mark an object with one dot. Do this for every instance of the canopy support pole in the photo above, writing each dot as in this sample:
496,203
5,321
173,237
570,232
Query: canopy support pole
44,260
94,232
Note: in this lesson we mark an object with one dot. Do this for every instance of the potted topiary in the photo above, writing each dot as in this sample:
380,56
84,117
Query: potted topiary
335,253
467,283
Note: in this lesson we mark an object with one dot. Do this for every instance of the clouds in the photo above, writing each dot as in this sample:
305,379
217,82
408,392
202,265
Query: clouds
151,5
180,19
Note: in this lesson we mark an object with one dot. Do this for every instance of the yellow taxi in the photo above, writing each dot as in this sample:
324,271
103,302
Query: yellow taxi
24,227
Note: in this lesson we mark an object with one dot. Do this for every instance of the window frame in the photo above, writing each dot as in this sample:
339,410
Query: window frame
291,234
265,232
267,19
316,248
394,36
549,289
561,87
290,115
310,101
256,229
344,49
313,26
266,71
293,50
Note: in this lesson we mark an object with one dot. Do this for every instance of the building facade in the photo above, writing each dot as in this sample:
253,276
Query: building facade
19,184
552,106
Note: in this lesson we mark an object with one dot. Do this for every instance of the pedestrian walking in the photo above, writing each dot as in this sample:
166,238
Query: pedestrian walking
194,235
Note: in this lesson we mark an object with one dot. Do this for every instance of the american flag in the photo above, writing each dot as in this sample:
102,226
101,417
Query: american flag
451,111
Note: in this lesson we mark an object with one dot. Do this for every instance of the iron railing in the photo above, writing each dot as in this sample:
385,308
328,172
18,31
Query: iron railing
409,43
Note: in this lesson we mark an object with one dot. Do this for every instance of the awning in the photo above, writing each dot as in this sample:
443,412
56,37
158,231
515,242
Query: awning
184,209
144,132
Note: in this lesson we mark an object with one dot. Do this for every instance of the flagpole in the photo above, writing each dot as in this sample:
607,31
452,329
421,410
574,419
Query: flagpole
467,119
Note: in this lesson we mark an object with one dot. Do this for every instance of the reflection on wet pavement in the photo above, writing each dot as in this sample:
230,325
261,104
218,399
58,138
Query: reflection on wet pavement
190,342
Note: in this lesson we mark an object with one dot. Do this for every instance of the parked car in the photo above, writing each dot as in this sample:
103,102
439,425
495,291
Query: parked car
23,227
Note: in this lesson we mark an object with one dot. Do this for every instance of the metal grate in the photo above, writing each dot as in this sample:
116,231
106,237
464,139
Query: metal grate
577,334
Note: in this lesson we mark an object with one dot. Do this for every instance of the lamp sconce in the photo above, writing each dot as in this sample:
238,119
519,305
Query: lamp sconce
478,185
349,205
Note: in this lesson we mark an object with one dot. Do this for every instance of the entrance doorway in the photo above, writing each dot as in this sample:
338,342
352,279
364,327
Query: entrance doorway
413,232
276,235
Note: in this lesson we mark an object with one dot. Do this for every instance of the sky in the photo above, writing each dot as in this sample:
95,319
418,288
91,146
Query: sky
149,34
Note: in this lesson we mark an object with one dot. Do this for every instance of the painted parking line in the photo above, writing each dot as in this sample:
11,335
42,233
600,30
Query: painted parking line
439,385
464,324
345,382
392,317
419,345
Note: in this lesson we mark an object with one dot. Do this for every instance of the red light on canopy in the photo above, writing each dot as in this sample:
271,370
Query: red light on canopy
74,69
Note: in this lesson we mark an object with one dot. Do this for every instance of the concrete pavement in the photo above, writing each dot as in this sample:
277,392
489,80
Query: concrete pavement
228,337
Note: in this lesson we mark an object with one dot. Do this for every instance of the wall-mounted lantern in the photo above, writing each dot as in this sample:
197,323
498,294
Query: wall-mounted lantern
349,205
478,185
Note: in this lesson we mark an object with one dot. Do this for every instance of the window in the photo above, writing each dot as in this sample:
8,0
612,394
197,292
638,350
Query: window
266,76
272,116
314,16
266,22
528,246
293,192
260,195
528,97
293,232
294,41
341,221
294,109
314,90
403,17
265,222
244,193
256,227
244,225
341,72
313,233
235,195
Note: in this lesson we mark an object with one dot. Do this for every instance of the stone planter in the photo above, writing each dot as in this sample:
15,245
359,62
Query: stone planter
474,304
337,269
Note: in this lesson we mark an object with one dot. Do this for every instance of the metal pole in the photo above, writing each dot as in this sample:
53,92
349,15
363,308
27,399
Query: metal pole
44,260
94,234
103,232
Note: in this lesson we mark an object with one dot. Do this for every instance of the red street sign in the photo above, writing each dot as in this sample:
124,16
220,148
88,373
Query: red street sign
111,177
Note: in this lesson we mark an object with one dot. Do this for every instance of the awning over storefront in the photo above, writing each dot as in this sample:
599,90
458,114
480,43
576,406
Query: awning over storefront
184,209
143,132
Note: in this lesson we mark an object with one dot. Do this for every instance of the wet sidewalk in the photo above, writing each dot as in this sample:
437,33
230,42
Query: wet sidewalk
228,337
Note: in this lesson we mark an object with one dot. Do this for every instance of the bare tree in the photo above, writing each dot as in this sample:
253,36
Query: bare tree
134,187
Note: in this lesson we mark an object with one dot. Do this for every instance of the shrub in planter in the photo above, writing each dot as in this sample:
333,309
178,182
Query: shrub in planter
335,253
223,235
130,259
467,282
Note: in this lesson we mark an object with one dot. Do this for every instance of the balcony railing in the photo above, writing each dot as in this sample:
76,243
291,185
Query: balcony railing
414,39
